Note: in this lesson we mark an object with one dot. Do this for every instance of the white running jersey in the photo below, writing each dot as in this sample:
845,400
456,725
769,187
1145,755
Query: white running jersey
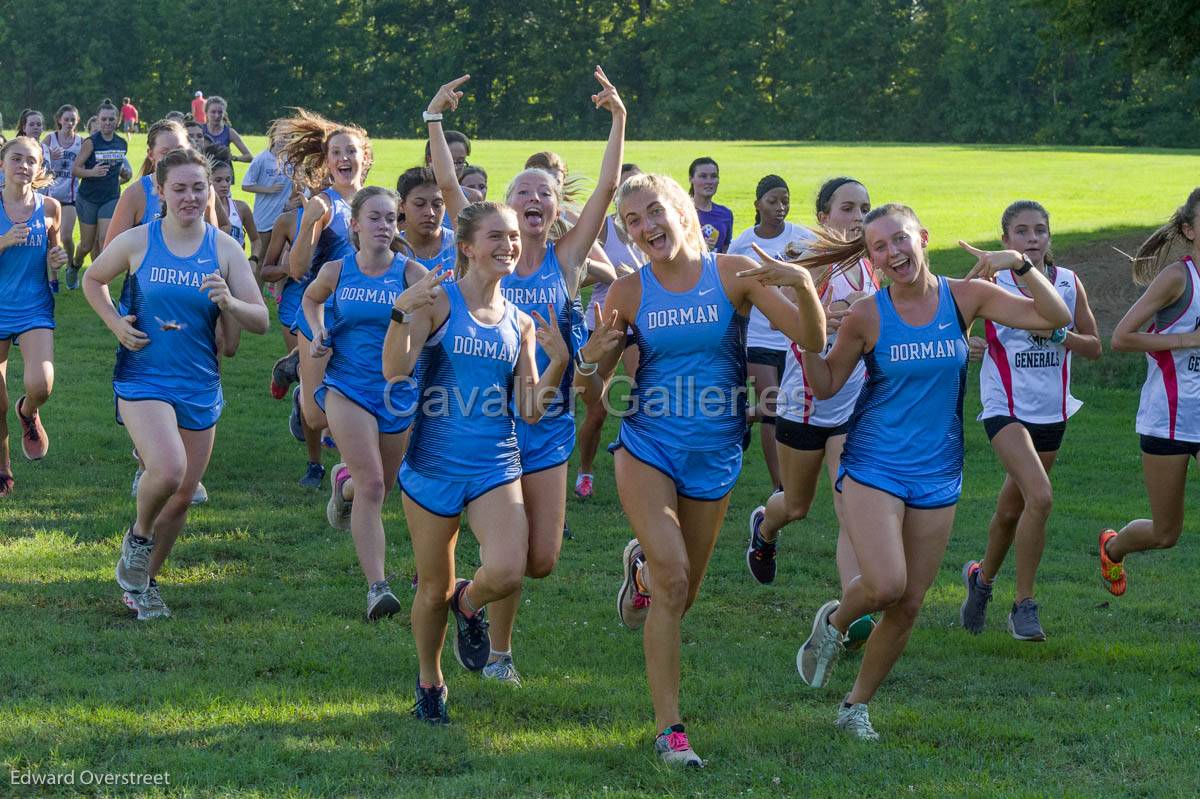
796,401
759,332
236,228
1023,375
1170,405
64,185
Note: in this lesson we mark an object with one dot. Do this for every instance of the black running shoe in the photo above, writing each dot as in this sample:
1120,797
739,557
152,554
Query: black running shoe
760,554
472,646
431,705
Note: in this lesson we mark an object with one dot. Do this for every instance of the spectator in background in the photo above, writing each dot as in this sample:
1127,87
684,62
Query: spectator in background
129,116
270,181
716,221
198,106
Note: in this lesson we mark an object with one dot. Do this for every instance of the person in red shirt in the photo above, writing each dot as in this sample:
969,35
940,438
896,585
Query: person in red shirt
129,116
198,107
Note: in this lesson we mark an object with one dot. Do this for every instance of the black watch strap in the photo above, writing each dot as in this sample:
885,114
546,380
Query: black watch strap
400,317
1025,267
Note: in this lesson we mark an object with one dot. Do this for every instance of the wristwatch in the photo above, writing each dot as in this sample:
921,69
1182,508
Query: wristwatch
401,317
1024,267
428,117
583,367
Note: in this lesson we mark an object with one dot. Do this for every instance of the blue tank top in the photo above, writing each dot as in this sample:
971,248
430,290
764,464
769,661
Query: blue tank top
534,292
221,138
24,287
358,320
163,293
690,387
334,242
464,428
908,417
153,201
98,191
444,257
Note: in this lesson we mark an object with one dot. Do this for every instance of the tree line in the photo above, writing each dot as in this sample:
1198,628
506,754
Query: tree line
1032,72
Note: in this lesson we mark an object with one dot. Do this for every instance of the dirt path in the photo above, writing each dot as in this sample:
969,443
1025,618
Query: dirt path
1106,276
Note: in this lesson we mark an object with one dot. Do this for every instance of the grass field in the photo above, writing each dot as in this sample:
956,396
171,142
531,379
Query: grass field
267,683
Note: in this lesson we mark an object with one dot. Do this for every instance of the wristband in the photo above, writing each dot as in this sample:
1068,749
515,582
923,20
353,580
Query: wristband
401,317
428,117
1058,336
1025,267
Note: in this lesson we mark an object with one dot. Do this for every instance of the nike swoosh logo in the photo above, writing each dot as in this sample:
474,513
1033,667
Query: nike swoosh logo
203,260
705,292
944,325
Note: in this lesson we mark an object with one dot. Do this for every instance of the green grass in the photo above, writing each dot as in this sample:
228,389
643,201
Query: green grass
266,682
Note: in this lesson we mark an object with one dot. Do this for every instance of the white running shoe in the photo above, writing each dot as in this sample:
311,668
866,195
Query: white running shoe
853,720
148,604
815,659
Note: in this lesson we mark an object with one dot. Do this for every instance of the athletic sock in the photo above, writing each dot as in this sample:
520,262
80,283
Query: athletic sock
497,654
979,578
464,603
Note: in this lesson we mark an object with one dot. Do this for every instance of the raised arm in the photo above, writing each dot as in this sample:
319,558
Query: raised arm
607,337
422,306
801,320
573,247
535,392
1043,309
856,336
446,99
1167,287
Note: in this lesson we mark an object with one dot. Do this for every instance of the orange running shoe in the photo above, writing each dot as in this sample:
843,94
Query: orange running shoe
1112,573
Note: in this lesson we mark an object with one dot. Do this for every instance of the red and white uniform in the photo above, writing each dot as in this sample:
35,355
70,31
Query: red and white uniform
796,402
1023,375
1170,406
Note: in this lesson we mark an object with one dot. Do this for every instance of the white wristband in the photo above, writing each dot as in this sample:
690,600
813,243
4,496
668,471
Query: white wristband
428,117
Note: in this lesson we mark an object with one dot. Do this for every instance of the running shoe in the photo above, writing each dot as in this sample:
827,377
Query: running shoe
381,602
337,510
472,646
583,486
296,419
854,721
54,287
71,277
284,373
973,612
632,604
34,441
1023,621
1111,572
567,534
137,479
327,439
760,554
148,604
674,749
133,567
314,475
431,704
6,485
200,495
815,660
858,632
503,670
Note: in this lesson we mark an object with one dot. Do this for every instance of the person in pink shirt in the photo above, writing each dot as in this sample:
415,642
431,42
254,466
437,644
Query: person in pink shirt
129,116
198,107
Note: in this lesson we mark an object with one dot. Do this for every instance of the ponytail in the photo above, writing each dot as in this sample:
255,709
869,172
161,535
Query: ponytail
835,253
1151,257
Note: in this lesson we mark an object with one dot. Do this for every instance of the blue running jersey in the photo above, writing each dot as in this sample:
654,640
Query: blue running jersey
907,422
535,292
445,257
464,427
358,322
691,381
334,242
164,294
25,297
153,201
